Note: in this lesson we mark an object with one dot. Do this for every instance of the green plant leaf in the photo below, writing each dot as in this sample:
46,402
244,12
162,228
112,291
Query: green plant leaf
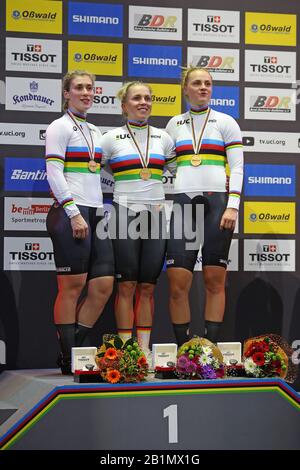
118,342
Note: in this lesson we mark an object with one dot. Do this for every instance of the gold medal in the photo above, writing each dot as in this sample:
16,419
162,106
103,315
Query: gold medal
196,160
145,174
92,166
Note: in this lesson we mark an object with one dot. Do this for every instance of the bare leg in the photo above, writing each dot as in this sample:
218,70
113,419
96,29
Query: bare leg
124,305
143,310
180,281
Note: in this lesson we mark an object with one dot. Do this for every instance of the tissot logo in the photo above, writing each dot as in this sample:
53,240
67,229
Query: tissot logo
213,19
270,60
28,254
42,56
270,66
269,255
214,26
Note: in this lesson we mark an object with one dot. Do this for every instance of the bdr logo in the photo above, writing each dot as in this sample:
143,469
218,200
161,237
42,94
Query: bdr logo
275,103
155,23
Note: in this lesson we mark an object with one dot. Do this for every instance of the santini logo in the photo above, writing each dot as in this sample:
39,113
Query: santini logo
154,61
19,174
269,180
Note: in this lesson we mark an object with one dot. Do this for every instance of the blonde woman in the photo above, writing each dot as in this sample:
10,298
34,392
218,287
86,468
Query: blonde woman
205,140
137,154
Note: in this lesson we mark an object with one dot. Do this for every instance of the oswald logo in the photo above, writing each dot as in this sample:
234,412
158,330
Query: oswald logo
270,217
97,58
269,28
163,99
33,15
77,57
16,15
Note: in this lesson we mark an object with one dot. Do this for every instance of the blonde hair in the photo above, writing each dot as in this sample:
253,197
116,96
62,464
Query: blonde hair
67,79
123,92
186,72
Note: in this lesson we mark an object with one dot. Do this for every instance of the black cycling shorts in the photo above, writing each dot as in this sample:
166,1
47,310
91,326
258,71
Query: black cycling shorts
215,242
139,243
74,256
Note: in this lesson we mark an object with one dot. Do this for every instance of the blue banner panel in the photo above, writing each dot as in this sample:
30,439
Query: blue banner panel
95,19
154,61
270,180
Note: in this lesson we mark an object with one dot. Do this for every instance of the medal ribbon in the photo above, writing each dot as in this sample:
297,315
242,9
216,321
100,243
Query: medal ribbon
197,146
91,150
144,161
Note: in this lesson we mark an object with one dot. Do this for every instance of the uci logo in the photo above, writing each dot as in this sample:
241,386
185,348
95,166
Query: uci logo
253,217
16,14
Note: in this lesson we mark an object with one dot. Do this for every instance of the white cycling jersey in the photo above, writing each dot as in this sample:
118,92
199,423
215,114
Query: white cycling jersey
221,144
67,158
123,157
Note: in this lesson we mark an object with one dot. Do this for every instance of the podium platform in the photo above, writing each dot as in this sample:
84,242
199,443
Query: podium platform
43,410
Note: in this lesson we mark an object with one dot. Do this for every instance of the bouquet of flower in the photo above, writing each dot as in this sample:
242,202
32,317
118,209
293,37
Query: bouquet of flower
121,362
269,356
199,359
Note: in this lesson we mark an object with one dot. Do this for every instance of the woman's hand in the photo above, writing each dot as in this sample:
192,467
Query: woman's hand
229,218
79,227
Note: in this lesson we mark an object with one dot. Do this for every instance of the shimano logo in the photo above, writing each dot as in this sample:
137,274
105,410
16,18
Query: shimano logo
95,19
155,61
222,102
269,180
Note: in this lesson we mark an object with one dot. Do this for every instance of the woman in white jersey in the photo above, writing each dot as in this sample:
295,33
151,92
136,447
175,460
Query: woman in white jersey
205,141
136,154
73,158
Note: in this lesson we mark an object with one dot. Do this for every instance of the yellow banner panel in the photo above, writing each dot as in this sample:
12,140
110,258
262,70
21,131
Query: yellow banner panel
34,16
269,217
274,29
166,99
100,58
